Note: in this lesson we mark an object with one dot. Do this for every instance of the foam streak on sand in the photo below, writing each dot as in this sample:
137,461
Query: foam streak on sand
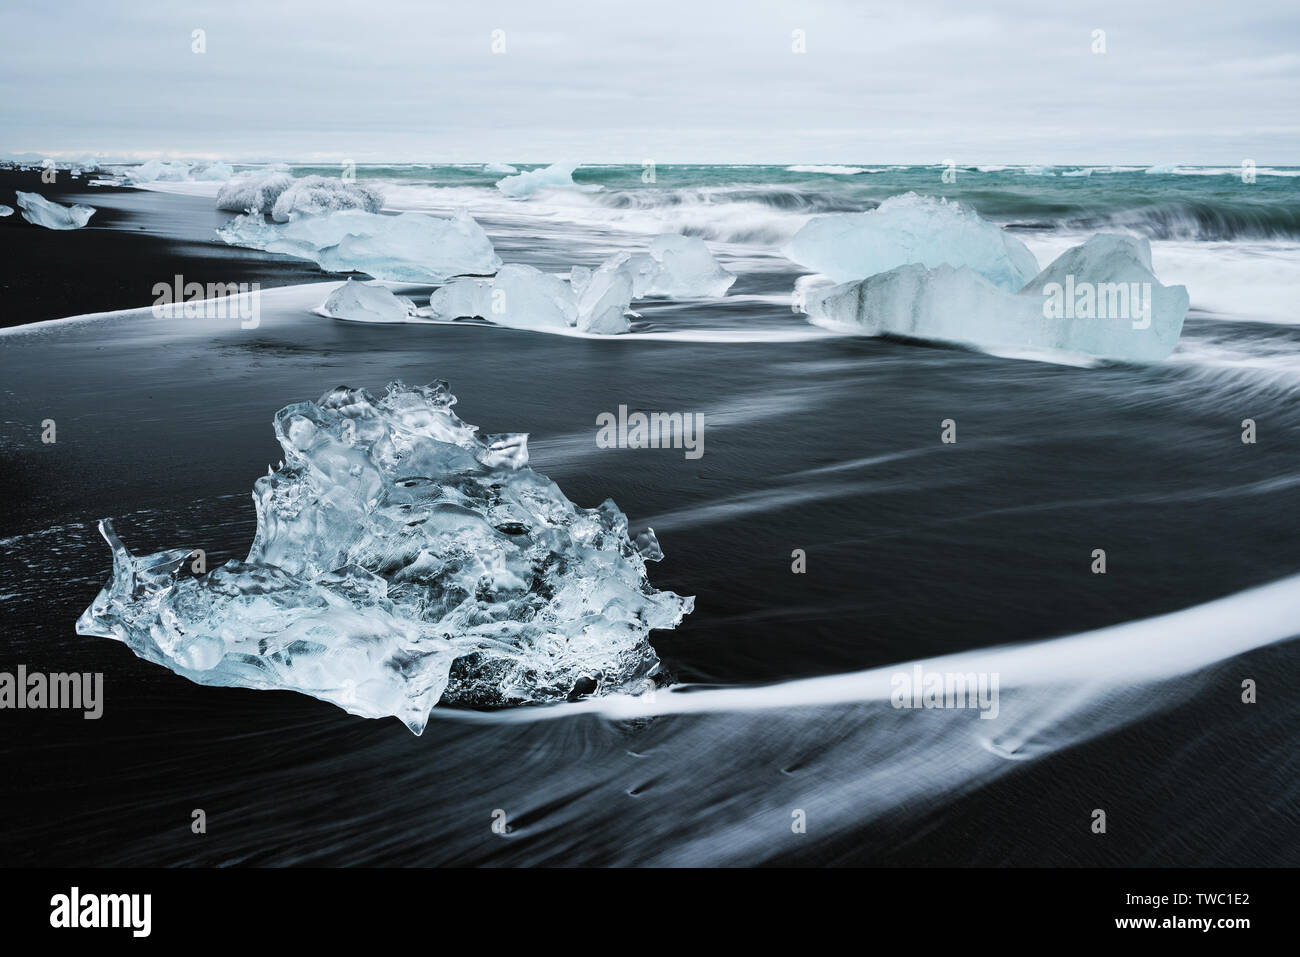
1119,659
837,750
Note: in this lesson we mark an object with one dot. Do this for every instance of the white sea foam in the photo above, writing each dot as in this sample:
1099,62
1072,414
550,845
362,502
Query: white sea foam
835,170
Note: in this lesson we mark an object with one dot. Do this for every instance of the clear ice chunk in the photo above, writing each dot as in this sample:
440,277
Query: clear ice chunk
526,184
6,210
911,229
520,296
401,559
40,211
678,267
368,302
1100,299
604,295
409,247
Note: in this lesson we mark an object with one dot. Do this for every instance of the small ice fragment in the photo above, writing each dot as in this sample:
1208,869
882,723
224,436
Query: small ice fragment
520,296
367,302
606,297
460,299
682,268
40,211
6,210
526,184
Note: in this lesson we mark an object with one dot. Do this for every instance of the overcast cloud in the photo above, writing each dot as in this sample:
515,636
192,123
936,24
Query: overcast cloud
917,81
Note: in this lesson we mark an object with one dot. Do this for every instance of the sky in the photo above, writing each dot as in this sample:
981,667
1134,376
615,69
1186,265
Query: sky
666,81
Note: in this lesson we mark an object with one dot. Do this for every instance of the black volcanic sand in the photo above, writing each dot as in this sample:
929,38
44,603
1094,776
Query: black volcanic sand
831,445
135,239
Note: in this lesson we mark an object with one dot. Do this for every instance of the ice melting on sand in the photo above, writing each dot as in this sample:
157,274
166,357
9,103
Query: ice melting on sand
604,296
912,229
1100,299
40,211
678,267
525,184
314,195
410,247
520,296
401,559
368,302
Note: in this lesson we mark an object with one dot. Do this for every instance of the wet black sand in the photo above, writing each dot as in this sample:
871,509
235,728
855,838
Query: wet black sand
164,425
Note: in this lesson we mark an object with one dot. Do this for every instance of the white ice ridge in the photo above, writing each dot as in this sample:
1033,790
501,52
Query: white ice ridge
409,247
592,300
401,559
40,211
1100,299
528,183
157,171
911,229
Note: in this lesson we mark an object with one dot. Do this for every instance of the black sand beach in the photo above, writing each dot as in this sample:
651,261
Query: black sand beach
135,239
829,445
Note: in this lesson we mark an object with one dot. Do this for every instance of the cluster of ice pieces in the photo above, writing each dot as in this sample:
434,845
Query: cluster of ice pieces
409,247
927,269
593,300
402,559
40,211
521,296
